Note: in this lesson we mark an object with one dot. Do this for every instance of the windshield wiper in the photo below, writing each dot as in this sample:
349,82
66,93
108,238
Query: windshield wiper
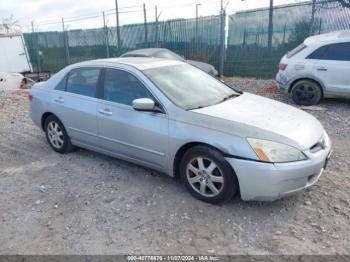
227,98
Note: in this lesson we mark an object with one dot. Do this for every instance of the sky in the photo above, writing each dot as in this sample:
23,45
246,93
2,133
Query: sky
47,14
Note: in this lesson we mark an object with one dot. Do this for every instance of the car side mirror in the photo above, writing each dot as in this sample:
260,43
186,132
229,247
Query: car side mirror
145,104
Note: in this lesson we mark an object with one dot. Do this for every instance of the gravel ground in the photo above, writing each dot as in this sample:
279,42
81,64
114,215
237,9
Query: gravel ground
95,204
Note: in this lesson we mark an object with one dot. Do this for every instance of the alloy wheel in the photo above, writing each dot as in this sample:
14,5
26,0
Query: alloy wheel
305,92
205,177
55,135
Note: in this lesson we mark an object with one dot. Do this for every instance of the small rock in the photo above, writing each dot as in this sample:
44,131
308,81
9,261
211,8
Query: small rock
38,202
278,232
211,251
55,206
308,203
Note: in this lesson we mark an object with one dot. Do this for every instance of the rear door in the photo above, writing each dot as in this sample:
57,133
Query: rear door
75,103
332,67
131,134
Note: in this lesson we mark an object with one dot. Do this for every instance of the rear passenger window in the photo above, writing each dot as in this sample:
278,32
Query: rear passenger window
122,87
62,84
83,81
339,52
336,52
318,53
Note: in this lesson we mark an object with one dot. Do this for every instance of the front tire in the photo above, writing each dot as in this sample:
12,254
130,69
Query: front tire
57,136
306,93
207,175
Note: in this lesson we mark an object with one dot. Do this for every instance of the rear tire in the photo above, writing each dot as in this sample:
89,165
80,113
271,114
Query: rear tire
207,175
57,136
306,93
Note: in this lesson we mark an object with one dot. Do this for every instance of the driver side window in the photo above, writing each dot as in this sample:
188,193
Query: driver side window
122,87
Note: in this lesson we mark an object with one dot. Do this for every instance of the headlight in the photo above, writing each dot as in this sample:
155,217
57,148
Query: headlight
273,152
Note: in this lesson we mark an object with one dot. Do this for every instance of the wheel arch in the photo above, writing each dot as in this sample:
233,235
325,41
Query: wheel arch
184,148
44,117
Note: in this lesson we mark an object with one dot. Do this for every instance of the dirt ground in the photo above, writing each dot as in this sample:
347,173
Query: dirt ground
95,204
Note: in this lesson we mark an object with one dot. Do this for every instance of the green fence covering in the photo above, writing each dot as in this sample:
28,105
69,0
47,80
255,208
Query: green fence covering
247,50
186,37
248,53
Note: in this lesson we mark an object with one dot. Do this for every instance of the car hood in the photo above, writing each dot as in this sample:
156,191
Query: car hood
264,118
203,66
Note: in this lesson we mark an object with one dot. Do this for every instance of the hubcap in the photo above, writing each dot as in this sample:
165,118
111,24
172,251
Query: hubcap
55,135
305,92
204,176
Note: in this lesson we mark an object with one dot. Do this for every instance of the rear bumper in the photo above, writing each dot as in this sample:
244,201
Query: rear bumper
269,182
282,82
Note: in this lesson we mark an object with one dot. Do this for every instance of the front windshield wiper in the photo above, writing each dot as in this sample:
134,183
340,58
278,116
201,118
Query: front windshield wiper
227,98
222,100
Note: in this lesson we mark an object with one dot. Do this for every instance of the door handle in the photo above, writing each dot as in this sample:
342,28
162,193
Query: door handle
59,100
106,112
322,69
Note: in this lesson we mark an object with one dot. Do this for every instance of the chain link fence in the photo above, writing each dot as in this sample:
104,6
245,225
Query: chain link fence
254,43
248,52
191,38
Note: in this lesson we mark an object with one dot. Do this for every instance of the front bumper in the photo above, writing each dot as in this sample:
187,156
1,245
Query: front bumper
268,182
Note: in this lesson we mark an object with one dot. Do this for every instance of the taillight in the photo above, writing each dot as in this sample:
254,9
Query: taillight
30,97
283,66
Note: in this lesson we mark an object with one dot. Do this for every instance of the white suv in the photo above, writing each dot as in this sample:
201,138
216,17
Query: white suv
318,68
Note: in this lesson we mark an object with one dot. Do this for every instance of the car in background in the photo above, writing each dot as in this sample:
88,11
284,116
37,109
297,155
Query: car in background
318,68
167,54
172,117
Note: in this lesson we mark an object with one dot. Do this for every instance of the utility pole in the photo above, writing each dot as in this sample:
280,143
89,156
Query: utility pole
106,34
222,39
145,22
270,29
117,23
197,40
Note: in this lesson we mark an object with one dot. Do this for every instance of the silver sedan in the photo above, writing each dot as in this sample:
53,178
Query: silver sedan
172,117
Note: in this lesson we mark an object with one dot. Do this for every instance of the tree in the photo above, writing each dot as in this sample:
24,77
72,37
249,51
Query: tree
9,25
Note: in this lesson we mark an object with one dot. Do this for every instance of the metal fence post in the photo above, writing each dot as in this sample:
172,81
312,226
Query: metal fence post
117,23
106,34
65,44
222,42
35,46
270,29
145,22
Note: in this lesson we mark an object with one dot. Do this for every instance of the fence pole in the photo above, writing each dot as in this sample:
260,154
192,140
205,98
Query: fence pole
313,11
270,29
66,44
222,40
117,22
197,39
35,47
156,14
106,34
145,22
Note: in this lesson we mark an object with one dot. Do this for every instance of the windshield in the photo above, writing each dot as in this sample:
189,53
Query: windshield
189,87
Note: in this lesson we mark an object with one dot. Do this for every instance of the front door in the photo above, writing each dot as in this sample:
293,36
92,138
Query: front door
131,134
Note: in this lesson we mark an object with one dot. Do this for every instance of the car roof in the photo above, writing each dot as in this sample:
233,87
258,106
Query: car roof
146,51
141,63
333,37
